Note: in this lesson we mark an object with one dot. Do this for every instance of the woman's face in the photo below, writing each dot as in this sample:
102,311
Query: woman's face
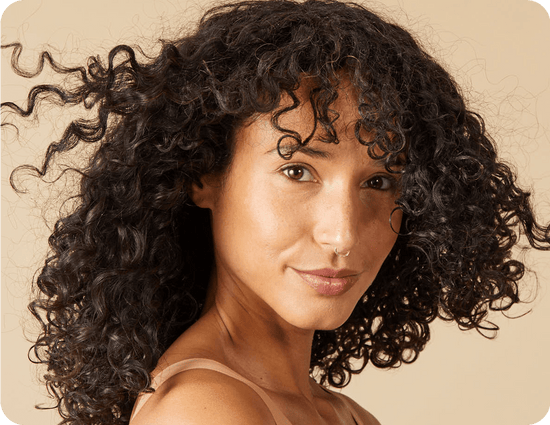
277,223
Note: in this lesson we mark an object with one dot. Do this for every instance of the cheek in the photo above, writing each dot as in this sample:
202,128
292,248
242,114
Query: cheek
276,223
255,222
381,225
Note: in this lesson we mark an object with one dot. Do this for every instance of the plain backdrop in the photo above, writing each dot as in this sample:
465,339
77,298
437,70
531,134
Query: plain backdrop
498,50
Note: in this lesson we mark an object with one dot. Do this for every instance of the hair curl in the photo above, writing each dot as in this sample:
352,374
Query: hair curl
128,268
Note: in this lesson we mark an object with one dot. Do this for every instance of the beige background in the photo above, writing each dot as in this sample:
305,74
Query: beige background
498,50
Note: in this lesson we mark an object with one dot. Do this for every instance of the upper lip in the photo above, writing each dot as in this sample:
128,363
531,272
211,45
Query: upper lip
327,272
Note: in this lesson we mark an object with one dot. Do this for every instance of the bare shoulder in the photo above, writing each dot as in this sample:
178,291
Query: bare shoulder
366,417
201,396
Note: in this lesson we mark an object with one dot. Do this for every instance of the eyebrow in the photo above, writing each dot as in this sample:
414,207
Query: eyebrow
306,150
317,153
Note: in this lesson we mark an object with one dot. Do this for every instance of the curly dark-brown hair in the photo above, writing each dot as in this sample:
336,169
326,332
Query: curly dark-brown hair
128,268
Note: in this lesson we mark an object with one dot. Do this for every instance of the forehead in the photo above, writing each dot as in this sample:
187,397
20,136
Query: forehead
287,136
342,111
300,118
314,114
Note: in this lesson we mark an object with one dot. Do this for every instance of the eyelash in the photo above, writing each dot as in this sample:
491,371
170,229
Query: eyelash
389,183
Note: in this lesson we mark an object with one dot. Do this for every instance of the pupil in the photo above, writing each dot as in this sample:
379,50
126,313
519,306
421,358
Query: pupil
296,173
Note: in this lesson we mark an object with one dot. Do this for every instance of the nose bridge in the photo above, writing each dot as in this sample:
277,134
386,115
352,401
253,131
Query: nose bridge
338,218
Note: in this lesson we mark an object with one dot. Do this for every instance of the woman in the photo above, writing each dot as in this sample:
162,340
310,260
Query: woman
290,188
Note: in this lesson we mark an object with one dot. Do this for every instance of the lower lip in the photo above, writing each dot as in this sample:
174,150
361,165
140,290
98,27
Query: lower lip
326,285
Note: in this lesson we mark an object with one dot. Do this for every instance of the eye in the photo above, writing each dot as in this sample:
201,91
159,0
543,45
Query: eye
298,173
380,183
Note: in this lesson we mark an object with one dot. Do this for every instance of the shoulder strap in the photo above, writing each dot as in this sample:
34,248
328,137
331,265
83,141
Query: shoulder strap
190,364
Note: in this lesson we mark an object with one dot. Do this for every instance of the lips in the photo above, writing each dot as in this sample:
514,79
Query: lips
331,272
328,281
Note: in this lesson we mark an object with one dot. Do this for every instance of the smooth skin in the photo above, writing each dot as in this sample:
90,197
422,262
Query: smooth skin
272,217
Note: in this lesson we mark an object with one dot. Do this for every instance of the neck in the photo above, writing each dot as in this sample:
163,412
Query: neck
258,343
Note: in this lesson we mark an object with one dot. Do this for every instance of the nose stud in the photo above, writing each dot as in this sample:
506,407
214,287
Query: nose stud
341,254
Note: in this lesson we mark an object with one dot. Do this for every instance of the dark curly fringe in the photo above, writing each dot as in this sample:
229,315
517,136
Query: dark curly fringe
128,269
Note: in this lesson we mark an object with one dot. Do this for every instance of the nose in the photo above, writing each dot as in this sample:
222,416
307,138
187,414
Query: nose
337,220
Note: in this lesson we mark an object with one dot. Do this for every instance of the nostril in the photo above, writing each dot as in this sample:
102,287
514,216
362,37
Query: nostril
341,254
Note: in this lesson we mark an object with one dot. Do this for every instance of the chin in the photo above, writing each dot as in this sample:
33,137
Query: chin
320,320
331,325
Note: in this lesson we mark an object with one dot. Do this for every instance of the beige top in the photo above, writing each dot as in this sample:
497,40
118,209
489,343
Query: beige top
189,364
